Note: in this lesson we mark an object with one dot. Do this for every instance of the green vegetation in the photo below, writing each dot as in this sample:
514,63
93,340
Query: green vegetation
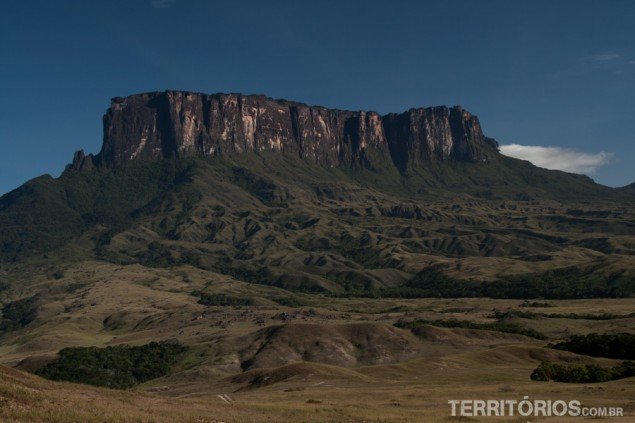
581,373
502,315
290,301
415,325
221,299
565,283
3,288
58,274
616,345
18,314
277,220
120,366
46,213
587,316
498,314
535,304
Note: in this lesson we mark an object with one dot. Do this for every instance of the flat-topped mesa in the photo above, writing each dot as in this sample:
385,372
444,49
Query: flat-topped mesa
425,135
158,125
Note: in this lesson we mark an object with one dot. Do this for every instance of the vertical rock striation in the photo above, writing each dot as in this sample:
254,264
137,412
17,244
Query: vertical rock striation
158,125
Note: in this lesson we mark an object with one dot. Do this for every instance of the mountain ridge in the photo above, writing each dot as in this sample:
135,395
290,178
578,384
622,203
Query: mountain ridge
157,125
355,223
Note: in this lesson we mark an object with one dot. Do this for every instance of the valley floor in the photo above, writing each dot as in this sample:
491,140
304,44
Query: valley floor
408,392
319,359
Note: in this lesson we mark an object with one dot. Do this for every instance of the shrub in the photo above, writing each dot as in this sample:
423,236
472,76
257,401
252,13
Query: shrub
535,304
120,366
587,316
501,315
466,324
497,314
221,299
616,345
18,314
581,373
563,283
291,301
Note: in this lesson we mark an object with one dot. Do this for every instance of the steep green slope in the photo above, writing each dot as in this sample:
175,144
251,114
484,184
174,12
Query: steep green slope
275,219
46,213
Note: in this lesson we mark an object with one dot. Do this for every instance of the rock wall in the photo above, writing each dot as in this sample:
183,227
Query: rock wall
158,125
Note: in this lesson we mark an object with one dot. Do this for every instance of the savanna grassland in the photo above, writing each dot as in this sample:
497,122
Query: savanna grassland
329,363
306,293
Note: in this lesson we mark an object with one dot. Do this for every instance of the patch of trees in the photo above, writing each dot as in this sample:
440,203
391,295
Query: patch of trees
18,314
497,314
221,299
564,283
617,345
582,373
120,366
290,301
536,304
506,327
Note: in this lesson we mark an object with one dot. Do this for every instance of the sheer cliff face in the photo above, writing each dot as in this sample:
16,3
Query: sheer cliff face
421,136
158,125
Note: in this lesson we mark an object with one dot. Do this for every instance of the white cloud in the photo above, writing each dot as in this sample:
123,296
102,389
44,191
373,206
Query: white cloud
609,61
606,56
557,158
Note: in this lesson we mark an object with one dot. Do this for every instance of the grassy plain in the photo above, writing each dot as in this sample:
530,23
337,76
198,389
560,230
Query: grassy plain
331,359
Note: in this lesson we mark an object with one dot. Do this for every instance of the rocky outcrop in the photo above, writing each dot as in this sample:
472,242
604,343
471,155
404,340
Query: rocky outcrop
158,125
420,136
81,161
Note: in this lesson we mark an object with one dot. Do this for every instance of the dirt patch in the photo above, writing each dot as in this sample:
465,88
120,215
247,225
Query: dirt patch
300,373
344,345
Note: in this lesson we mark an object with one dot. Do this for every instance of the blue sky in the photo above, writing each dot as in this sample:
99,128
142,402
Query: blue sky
557,74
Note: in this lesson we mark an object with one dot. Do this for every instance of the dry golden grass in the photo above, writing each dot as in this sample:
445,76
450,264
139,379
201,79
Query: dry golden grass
417,390
133,304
